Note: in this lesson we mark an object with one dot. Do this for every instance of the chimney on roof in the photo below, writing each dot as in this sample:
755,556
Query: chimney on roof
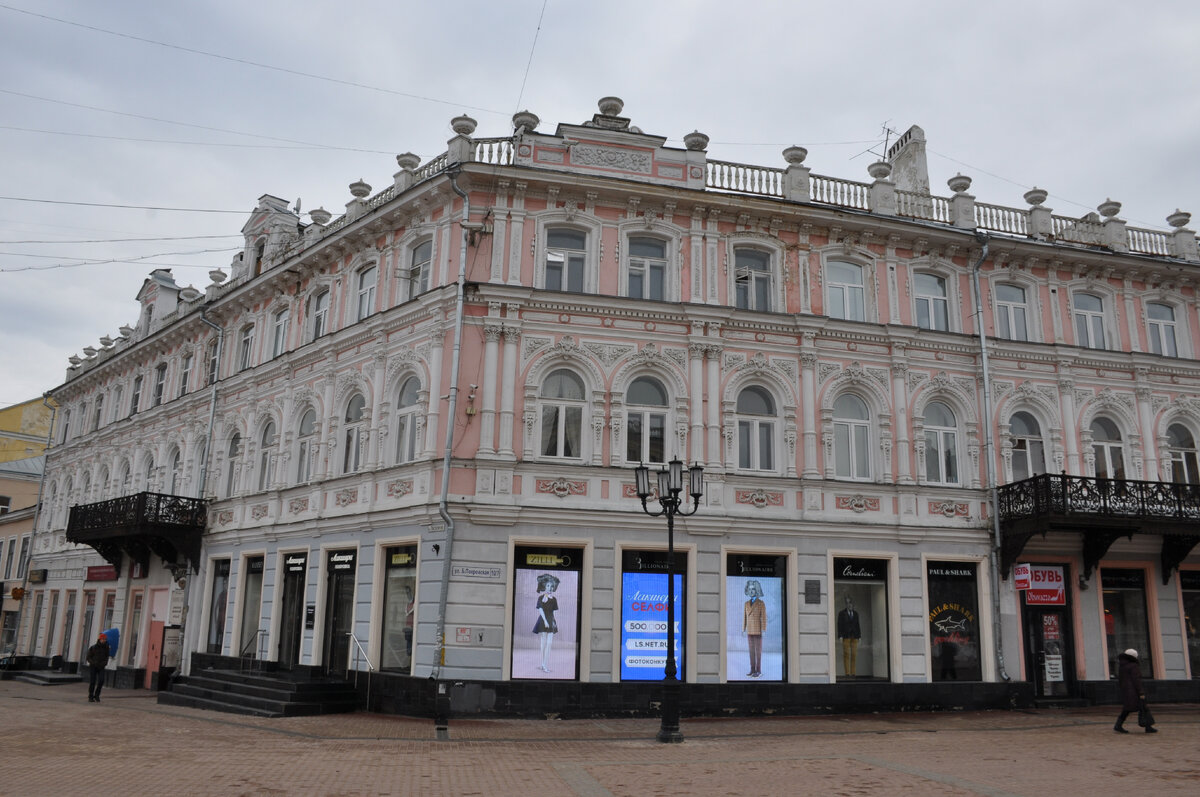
910,170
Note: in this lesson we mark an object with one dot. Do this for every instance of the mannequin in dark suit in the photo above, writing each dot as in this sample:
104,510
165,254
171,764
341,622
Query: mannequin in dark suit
849,631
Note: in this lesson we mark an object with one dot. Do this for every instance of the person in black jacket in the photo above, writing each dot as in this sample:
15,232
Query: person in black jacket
1133,696
97,659
849,630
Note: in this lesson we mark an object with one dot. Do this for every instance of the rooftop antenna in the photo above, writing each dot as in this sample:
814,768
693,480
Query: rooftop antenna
887,132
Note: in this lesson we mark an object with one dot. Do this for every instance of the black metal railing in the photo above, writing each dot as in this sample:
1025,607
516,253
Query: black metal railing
1060,495
136,513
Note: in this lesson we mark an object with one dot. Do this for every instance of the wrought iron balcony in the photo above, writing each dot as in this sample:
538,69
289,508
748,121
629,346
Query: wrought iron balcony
138,525
1103,511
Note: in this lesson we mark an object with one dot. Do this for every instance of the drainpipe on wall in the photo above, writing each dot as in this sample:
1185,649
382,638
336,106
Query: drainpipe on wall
990,452
37,514
441,698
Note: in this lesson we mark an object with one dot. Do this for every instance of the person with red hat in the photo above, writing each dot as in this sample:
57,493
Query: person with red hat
97,659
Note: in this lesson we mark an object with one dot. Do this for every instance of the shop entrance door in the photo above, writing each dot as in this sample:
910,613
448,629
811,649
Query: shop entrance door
1049,647
291,609
339,611
159,603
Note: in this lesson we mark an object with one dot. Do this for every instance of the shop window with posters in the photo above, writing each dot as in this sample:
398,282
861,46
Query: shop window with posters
1126,624
546,612
1189,582
861,601
755,618
644,614
953,621
399,607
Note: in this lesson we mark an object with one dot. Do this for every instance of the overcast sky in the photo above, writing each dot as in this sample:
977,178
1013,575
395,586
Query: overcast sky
208,105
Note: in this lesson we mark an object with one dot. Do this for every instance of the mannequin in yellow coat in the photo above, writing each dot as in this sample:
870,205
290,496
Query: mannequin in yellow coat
754,623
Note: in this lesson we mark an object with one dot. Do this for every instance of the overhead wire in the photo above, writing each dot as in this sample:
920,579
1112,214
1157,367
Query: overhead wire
169,140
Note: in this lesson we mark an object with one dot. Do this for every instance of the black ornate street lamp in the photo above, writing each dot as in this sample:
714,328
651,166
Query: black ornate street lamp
670,485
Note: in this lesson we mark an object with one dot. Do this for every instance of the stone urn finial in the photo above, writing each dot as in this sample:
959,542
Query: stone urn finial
359,189
463,125
795,155
320,216
89,351
189,294
880,170
1108,208
696,141
1179,219
1036,196
125,330
106,341
217,276
611,106
959,183
408,161
526,119
74,360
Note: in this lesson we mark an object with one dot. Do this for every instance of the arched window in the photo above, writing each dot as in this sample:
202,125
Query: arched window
266,457
1161,320
306,446
851,438
566,258
933,309
1089,320
756,429
941,444
647,268
366,292
1028,452
148,474
125,479
1012,313
407,412
175,475
752,282
232,460
418,272
318,310
562,415
85,489
66,426
1108,448
355,434
845,293
1182,448
646,422
246,348
103,485
279,332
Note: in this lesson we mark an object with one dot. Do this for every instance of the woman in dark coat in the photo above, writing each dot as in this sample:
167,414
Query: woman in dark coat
1129,678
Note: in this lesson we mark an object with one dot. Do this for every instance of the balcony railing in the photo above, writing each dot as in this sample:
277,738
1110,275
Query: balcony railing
140,524
1103,510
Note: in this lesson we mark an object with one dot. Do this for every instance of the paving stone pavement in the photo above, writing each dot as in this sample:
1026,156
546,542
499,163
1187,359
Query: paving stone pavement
53,742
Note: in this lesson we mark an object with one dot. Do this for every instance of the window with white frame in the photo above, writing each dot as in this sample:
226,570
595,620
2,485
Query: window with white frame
319,312
354,434
407,411
1108,449
933,308
1028,450
135,400
103,485
420,266
306,446
148,474
941,444
160,384
98,412
1012,312
566,258
1089,320
851,438
232,461
175,473
562,400
125,478
246,348
1181,446
647,268
185,375
266,457
214,361
845,293
118,395
646,422
366,292
752,279
66,426
756,429
279,331
1161,319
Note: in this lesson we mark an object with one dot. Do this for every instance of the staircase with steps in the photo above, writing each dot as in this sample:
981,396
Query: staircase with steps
261,694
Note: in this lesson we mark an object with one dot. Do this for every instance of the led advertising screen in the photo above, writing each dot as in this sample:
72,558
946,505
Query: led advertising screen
755,618
644,615
545,632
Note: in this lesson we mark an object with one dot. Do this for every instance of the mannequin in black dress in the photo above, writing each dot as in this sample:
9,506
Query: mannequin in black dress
546,626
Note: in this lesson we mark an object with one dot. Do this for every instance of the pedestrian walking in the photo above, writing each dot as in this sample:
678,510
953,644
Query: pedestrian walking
1133,696
97,659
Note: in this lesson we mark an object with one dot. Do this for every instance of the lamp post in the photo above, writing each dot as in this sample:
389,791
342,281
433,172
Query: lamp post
670,485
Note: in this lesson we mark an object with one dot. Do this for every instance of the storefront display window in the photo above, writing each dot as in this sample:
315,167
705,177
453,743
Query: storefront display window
1125,620
755,618
644,614
251,643
861,602
1189,581
216,614
953,621
399,607
545,625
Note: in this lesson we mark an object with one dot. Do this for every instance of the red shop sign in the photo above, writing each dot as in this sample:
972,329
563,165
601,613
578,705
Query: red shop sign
1047,587
101,573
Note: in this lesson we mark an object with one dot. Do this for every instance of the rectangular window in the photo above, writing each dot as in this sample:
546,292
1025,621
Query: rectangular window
1011,313
35,629
135,627
1126,624
110,608
160,383
136,399
217,606
845,294
5,507
644,614
246,348
98,414
64,645
546,613
12,556
418,273
756,613
1089,321
1162,329
214,356
86,636
279,336
185,375
1189,583
647,268
954,643
366,293
23,561
320,314
861,601
752,280
252,644
932,306
51,623
565,252
399,607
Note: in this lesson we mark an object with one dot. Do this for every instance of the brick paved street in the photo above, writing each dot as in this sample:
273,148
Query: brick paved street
53,742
